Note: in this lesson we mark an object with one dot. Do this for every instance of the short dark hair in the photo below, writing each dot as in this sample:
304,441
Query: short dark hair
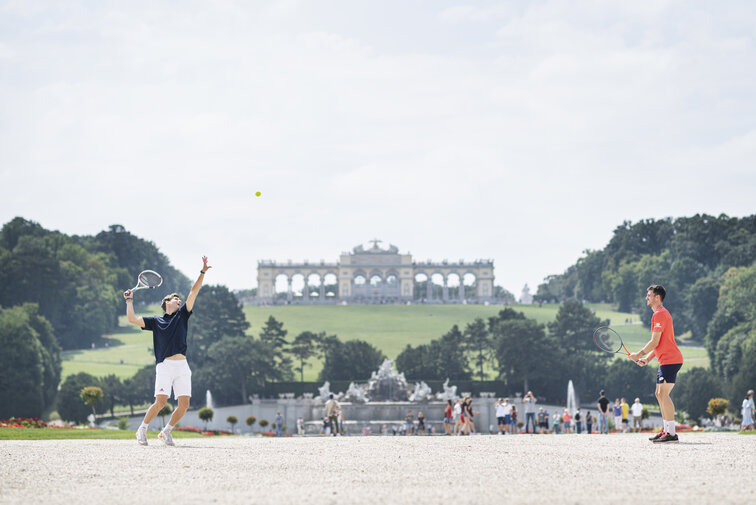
330,396
168,297
658,289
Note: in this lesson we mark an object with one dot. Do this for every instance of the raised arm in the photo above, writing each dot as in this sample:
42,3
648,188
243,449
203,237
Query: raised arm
197,285
130,315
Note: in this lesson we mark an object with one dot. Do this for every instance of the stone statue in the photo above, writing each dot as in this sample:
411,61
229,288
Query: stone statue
450,392
422,393
325,391
356,393
386,385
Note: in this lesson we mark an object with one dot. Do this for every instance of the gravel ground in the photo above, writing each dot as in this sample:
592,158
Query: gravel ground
547,469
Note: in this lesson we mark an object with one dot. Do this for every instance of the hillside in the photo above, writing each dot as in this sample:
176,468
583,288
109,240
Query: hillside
388,327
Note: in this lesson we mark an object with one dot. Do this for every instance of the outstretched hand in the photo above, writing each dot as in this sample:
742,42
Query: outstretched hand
205,266
128,294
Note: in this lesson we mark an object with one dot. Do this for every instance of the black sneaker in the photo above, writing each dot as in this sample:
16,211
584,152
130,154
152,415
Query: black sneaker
667,438
657,436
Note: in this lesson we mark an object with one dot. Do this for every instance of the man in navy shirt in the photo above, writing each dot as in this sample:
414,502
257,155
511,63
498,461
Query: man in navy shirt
169,341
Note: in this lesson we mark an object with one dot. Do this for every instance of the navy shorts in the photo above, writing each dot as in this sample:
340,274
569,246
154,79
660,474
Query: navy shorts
667,373
501,421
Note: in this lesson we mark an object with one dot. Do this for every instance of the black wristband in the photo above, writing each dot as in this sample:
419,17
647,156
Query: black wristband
203,272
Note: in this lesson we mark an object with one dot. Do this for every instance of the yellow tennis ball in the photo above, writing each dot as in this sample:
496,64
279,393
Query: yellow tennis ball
258,193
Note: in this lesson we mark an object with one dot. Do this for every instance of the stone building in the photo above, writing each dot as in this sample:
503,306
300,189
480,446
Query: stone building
376,275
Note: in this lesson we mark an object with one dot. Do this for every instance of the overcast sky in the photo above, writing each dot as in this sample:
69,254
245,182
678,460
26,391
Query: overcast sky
524,132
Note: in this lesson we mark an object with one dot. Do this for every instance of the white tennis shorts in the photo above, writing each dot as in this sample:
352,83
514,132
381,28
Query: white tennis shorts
173,373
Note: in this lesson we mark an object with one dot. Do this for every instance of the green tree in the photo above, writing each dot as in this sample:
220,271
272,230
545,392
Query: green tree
70,407
273,336
30,364
478,342
440,359
112,390
167,410
232,420
701,304
140,388
693,390
90,395
625,379
217,314
717,406
524,353
205,414
250,421
351,360
573,325
303,348
234,366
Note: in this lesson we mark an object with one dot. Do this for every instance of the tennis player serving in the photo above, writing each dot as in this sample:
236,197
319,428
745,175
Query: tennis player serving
169,341
663,347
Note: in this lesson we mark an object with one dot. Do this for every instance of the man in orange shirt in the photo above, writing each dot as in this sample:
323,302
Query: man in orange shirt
663,347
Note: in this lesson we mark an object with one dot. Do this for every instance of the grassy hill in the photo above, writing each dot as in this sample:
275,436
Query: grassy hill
388,327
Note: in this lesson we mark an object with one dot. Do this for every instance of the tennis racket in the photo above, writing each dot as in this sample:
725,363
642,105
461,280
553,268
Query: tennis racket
149,279
609,340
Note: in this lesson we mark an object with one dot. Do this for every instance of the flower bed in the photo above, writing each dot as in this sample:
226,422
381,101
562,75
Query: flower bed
22,422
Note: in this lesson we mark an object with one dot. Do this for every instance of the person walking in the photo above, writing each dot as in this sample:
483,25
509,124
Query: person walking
567,420
662,346
513,419
172,370
459,418
637,411
543,421
448,416
529,406
578,421
625,414
332,409
420,423
300,426
278,423
501,413
589,422
617,409
603,408
747,412
409,423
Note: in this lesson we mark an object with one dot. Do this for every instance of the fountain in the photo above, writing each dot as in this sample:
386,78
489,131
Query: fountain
208,399
571,401
386,385
450,392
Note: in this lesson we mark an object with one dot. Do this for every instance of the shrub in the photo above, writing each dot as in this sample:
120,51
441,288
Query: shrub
717,406
251,420
263,423
165,411
206,414
123,423
91,395
232,420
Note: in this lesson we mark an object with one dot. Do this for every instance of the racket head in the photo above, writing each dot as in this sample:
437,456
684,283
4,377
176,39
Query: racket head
148,279
608,340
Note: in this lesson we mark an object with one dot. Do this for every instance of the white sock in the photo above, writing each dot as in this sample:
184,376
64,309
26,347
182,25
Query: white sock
143,426
671,427
168,428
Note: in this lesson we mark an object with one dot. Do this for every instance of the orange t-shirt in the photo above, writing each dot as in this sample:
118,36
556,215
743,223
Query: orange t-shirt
666,351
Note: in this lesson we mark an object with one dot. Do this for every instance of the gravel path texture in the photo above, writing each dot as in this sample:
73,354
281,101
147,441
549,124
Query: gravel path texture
540,469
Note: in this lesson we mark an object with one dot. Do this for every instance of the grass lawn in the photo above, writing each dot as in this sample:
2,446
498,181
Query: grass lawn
388,327
66,433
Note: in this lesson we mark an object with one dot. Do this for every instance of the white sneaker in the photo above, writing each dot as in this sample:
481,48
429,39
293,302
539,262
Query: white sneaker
141,436
166,437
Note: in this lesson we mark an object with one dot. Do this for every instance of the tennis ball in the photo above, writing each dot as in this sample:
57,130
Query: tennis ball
257,193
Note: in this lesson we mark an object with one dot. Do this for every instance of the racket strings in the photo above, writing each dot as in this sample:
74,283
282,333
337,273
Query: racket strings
150,279
608,340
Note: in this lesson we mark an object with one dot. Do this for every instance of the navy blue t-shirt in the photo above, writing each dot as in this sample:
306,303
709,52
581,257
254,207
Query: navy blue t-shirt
168,333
